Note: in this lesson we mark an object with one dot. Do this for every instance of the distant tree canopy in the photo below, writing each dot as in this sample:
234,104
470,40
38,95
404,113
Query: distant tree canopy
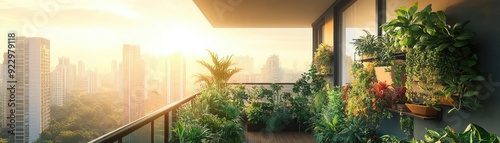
85,118
220,70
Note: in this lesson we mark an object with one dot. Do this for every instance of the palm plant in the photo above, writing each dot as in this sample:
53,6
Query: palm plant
220,70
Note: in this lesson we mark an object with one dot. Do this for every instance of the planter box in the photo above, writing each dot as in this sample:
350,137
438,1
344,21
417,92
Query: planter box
422,110
448,101
390,77
255,127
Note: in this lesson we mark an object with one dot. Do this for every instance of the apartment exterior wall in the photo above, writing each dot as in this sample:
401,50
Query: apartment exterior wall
33,93
484,21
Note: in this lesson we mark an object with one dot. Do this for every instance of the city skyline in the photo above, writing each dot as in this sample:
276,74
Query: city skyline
158,27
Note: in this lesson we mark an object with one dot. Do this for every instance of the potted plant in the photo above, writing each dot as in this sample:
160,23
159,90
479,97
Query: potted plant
397,98
323,59
258,110
439,61
379,50
257,114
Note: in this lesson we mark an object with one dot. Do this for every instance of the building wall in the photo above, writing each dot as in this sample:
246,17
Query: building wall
484,16
33,93
176,77
133,81
272,71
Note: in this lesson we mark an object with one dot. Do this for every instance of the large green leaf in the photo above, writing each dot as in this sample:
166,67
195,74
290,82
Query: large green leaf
460,44
478,78
400,12
413,9
441,15
471,93
427,9
466,36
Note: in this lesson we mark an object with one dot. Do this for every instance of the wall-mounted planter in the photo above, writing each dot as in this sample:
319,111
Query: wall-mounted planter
448,101
422,110
390,76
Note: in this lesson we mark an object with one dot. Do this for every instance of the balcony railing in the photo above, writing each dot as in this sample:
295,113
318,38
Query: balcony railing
119,134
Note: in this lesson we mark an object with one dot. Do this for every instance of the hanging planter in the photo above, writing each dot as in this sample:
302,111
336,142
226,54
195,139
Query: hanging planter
323,59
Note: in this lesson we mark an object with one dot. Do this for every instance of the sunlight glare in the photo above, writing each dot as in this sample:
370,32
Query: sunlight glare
188,39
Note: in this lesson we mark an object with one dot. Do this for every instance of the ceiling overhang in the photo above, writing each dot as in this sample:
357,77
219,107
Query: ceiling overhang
262,13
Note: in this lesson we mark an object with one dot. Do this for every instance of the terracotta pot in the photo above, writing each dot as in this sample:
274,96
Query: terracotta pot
448,101
422,110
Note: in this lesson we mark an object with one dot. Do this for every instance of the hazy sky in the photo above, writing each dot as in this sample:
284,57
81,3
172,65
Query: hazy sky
95,30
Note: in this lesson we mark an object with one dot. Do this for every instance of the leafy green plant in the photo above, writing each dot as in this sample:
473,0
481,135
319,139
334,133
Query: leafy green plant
437,54
323,59
211,117
406,124
331,120
258,112
308,85
239,97
473,133
278,120
220,70
191,134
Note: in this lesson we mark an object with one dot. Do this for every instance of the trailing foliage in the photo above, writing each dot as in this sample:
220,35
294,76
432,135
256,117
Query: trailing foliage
323,59
438,54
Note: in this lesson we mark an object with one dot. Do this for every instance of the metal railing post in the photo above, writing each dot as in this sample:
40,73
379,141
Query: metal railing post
166,128
153,131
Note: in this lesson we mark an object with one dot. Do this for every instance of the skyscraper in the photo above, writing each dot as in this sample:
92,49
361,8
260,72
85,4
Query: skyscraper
3,92
246,75
271,71
92,82
133,83
176,77
63,80
33,87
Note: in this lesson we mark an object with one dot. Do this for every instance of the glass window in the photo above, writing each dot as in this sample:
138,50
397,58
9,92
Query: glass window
359,16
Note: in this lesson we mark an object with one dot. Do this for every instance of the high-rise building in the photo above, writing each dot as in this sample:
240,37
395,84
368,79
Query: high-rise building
246,75
33,88
114,74
245,63
82,77
92,82
63,80
176,77
133,83
3,92
81,69
272,72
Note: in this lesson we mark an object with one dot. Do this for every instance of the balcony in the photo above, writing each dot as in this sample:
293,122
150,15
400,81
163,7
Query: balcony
159,126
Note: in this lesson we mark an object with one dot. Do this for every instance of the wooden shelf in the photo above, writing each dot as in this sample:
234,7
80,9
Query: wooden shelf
400,56
438,118
325,74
